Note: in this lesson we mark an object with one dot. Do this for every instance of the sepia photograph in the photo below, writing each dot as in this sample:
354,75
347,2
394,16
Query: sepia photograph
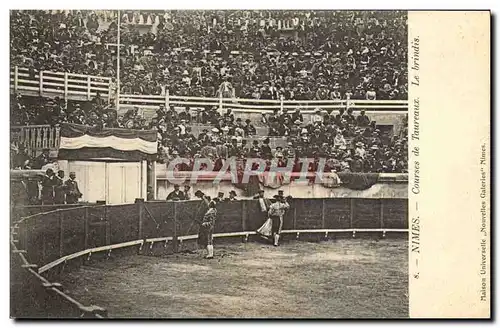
196,164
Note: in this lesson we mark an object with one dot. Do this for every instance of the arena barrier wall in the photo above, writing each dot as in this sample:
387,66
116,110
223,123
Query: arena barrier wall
388,185
45,245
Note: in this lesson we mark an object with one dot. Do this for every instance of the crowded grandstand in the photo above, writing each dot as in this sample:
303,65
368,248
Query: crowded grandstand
300,56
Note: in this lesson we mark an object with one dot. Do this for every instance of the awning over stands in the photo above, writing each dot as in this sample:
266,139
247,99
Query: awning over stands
81,142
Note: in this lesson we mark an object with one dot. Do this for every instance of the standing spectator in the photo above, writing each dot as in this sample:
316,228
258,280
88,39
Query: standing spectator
48,183
187,192
362,120
150,194
59,188
72,191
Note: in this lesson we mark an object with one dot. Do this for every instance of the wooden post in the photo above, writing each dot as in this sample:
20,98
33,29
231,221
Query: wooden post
40,75
220,102
61,234
382,213
89,96
167,98
16,77
153,179
45,139
51,133
107,227
351,213
144,178
57,138
38,141
295,216
140,210
66,86
86,228
244,215
44,248
323,214
109,90
175,241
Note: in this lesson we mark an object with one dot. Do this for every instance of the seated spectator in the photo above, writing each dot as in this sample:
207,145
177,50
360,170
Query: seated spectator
362,120
176,194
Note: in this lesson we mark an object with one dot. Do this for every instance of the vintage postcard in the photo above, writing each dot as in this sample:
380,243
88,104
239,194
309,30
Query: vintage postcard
305,164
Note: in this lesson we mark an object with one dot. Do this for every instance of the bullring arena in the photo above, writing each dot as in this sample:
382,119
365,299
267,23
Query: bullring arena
330,267
299,280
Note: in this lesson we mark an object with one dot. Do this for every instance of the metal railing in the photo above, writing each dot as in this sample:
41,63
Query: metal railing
62,84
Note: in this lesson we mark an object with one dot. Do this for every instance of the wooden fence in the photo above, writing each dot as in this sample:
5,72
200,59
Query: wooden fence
62,84
50,236
52,241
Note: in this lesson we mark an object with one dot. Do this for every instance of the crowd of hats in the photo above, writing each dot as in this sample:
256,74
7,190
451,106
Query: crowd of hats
347,141
327,55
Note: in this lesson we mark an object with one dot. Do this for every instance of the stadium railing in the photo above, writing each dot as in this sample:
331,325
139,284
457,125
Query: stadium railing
37,137
241,105
85,87
62,84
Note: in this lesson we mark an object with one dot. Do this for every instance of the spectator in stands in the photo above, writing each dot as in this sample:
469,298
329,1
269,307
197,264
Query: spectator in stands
265,61
42,159
187,192
176,194
362,120
48,183
72,191
232,196
59,188
219,198
249,128
20,159
150,194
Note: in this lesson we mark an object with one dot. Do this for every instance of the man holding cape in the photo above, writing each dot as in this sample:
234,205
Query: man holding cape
272,227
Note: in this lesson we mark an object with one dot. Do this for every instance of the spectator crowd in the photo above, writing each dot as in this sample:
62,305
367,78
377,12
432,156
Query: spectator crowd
297,55
349,142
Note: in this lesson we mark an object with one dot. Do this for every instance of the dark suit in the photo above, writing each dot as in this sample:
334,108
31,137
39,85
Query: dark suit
179,195
59,191
72,191
48,190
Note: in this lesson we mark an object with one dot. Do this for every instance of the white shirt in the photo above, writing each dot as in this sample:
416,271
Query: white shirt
371,95
317,118
182,129
360,151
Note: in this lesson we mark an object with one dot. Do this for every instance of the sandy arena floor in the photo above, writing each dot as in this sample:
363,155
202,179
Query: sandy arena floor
342,279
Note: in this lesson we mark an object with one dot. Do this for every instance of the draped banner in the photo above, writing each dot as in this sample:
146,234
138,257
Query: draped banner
80,142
